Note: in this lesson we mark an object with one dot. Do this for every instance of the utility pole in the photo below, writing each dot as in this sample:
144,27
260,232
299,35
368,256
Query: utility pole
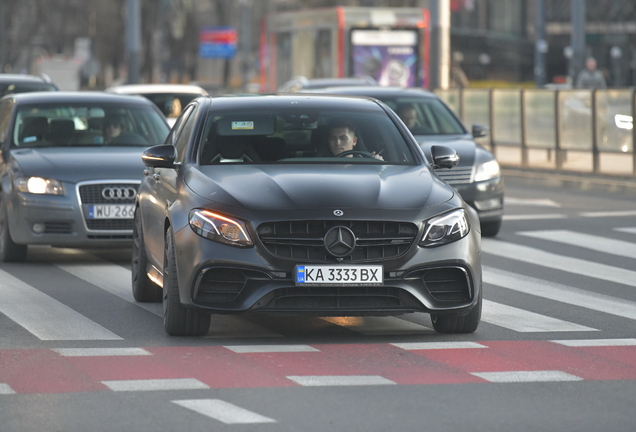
541,46
578,37
133,40
440,44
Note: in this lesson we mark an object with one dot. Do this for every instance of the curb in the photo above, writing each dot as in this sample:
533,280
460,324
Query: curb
581,181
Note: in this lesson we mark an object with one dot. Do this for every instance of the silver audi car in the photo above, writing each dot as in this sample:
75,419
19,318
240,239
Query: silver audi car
70,167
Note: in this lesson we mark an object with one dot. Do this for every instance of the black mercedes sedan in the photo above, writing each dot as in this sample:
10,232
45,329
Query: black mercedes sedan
477,176
302,204
70,167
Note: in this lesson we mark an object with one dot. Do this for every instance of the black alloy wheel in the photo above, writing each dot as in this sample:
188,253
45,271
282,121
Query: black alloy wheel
144,289
455,323
9,251
177,320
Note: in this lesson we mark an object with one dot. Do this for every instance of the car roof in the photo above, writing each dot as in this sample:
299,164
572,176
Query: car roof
377,92
77,96
306,100
157,88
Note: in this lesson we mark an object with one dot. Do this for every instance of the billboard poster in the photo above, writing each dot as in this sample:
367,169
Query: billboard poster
388,56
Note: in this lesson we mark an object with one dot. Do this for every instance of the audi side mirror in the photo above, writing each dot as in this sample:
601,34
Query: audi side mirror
480,131
444,157
161,156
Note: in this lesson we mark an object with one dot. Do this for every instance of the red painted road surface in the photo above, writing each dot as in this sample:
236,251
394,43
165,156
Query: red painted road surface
45,371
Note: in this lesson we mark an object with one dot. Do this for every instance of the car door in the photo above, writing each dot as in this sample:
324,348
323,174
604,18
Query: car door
163,188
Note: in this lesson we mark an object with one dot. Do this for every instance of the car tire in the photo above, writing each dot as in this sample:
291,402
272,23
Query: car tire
455,323
9,251
177,320
144,290
490,229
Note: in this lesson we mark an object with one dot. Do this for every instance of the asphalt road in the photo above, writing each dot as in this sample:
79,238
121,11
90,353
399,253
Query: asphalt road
556,349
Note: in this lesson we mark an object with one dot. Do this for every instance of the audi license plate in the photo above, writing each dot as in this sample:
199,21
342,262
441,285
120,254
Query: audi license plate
339,275
111,211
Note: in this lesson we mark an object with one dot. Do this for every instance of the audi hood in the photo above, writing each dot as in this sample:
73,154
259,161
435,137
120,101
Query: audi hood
74,164
262,187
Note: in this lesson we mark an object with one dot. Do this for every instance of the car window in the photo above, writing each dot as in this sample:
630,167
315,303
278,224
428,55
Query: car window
25,87
426,115
5,118
183,135
171,104
52,125
309,136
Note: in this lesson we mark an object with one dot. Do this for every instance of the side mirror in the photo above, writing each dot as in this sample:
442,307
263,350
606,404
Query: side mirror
444,157
161,156
480,131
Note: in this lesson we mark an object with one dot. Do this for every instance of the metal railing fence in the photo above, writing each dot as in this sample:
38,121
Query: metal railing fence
585,131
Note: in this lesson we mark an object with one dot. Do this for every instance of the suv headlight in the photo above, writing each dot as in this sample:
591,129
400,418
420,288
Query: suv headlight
219,228
445,229
39,185
487,170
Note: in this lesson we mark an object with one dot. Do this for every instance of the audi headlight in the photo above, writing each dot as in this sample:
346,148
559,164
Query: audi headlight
487,170
39,185
219,228
445,229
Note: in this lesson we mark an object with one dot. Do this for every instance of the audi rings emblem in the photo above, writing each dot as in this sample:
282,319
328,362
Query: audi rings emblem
119,192
338,213
340,241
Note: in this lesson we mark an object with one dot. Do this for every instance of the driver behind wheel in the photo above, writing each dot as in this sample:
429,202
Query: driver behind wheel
341,137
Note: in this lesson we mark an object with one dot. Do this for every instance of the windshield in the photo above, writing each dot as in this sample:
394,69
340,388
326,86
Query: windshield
88,125
307,136
426,116
25,87
171,104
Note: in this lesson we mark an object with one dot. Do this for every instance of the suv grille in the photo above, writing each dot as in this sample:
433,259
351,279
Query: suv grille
456,176
300,241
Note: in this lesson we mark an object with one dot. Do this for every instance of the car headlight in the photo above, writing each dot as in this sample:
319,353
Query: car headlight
39,185
219,228
487,170
445,229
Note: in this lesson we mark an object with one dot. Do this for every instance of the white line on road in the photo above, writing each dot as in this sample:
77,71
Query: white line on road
342,380
155,384
626,230
223,411
526,376
609,214
247,349
587,241
100,352
531,202
561,293
44,316
6,389
559,262
524,321
596,342
414,346
534,217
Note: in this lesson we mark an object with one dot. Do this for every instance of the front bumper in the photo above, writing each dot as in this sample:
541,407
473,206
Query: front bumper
225,279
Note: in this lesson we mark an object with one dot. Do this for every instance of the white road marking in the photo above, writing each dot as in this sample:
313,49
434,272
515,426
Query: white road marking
100,352
223,411
534,217
559,262
531,202
626,230
561,293
596,342
246,349
112,278
45,317
374,326
413,346
6,389
155,384
525,321
343,380
526,376
609,214
587,241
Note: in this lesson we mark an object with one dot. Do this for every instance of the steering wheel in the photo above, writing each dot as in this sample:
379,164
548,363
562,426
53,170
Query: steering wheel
356,152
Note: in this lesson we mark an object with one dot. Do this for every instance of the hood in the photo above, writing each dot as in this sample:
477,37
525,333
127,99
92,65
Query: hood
463,145
74,164
317,186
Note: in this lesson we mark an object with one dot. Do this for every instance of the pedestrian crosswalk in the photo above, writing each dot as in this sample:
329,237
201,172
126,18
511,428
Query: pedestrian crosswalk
518,270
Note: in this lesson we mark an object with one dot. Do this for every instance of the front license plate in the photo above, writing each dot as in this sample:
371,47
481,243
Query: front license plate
339,275
111,211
